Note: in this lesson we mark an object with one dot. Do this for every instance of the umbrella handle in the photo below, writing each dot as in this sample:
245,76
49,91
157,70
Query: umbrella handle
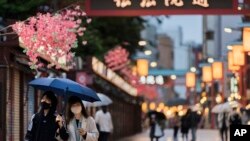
65,101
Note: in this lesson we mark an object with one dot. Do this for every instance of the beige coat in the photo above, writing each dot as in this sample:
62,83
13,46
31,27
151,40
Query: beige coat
88,124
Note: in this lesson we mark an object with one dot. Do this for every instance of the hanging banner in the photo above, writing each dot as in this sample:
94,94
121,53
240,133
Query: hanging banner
162,7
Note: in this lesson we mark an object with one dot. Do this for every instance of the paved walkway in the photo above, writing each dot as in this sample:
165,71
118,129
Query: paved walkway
202,135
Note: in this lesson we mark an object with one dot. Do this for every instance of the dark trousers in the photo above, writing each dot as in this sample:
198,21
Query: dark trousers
223,133
156,139
176,128
103,136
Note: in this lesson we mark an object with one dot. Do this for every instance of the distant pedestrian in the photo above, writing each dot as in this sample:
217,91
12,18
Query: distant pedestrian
44,125
104,123
176,124
194,120
156,128
244,118
223,124
80,126
185,124
235,117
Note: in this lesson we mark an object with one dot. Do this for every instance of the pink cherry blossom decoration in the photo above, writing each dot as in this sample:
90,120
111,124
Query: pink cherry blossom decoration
51,36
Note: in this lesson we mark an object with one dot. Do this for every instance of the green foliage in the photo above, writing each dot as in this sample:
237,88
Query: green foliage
18,8
105,33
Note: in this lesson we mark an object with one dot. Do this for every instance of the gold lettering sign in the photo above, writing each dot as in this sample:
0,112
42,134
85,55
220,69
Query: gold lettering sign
147,3
122,3
203,3
177,3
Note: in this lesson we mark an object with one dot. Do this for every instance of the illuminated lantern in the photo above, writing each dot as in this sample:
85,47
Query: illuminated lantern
207,74
190,79
238,55
217,70
144,107
246,39
142,67
152,106
231,65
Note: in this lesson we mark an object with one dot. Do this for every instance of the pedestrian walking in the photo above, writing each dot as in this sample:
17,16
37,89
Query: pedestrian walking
223,124
44,125
194,120
156,128
80,126
245,117
185,125
104,122
235,117
176,124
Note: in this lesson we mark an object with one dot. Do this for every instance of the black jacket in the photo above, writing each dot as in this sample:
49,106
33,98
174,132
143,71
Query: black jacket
43,128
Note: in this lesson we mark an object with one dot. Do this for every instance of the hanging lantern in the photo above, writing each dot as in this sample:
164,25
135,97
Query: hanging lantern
144,107
246,39
207,74
152,106
238,55
217,70
231,65
190,79
142,67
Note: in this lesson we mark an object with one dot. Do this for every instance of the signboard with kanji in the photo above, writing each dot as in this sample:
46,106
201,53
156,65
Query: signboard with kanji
162,7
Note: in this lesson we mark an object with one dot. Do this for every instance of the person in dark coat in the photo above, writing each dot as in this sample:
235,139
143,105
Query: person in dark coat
185,124
194,120
45,125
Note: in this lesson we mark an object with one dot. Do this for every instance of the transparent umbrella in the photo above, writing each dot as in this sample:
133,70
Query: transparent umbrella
105,101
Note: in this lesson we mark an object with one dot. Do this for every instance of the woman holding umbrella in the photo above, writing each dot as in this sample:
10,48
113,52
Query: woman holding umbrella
80,126
45,125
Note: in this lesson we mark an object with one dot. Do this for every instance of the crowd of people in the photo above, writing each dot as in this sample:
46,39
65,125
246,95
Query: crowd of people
226,119
191,121
77,125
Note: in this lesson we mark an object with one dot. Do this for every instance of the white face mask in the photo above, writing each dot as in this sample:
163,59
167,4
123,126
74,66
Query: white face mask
76,110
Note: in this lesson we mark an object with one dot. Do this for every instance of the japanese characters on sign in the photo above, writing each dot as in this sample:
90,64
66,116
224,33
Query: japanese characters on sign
150,3
161,7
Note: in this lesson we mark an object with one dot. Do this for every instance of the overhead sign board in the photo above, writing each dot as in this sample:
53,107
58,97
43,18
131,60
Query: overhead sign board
161,7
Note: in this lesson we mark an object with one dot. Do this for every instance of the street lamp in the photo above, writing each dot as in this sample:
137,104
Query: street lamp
193,69
153,64
147,52
228,30
210,60
142,43
173,77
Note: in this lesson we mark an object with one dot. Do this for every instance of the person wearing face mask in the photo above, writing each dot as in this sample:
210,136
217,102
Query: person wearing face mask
45,125
104,122
80,126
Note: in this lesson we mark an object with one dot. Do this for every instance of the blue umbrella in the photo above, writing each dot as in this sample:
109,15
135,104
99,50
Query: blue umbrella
65,87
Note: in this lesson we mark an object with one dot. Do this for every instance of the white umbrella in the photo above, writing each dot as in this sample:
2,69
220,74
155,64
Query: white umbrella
196,107
225,107
105,100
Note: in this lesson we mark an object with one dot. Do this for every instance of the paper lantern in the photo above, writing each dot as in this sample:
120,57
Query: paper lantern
190,79
207,74
231,65
152,106
217,70
246,39
238,55
142,67
144,107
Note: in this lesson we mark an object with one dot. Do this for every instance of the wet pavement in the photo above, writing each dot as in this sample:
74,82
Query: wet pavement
202,135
